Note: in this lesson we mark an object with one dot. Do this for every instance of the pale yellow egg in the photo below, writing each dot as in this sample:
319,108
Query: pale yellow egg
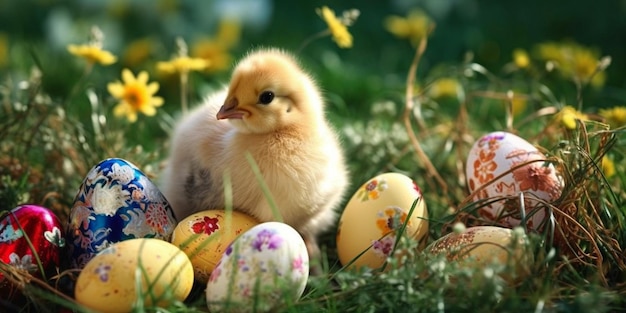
370,222
109,281
483,245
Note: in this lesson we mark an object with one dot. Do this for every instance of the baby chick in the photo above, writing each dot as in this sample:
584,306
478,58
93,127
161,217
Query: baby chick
273,110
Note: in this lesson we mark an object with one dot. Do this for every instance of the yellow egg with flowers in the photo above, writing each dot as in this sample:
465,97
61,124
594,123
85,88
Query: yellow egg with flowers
382,208
205,235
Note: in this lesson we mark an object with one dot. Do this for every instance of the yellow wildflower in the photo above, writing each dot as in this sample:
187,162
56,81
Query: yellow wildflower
182,64
215,50
574,61
616,117
608,167
568,116
92,53
135,95
444,87
520,58
414,27
337,28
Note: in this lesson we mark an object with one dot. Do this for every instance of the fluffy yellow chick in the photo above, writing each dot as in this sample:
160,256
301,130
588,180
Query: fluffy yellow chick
273,110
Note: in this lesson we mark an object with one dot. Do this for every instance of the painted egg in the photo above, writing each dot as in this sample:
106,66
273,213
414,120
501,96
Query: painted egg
369,224
264,267
483,245
204,236
109,281
498,153
115,202
31,236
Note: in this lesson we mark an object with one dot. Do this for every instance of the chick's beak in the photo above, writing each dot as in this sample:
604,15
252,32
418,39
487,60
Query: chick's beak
230,111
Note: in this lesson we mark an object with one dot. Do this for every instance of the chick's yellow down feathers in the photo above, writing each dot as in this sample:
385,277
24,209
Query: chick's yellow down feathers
273,110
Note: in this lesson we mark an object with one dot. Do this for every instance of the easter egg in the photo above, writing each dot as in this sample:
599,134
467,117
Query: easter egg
369,224
115,202
31,236
524,170
483,245
109,281
204,236
264,267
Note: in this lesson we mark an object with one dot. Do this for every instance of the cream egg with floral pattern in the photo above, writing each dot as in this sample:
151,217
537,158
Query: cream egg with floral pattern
375,215
500,166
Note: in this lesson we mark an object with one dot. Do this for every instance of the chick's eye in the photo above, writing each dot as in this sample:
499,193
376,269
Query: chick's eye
266,97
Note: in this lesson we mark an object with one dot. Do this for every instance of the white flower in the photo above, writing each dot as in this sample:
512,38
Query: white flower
94,175
108,200
123,173
24,263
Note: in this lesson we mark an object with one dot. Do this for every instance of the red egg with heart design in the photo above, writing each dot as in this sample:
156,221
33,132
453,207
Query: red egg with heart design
31,239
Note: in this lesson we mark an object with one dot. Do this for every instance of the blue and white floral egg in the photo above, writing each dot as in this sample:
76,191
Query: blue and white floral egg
265,267
115,202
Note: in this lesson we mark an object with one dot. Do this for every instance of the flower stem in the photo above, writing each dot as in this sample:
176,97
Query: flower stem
314,37
430,168
184,84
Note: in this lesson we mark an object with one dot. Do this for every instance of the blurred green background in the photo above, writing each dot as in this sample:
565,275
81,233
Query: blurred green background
490,29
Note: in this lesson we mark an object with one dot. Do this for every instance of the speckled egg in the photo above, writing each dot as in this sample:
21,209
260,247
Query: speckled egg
109,281
31,235
370,222
498,153
204,236
115,202
264,267
483,245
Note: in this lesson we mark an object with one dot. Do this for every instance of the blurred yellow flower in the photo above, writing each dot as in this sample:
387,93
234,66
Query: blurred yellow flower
520,58
228,33
92,53
215,50
568,116
414,27
137,51
616,117
135,95
608,167
444,87
574,61
337,28
182,64
519,105
4,49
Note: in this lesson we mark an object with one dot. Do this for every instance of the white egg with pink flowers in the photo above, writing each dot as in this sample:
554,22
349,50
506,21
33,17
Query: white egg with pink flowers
500,166
264,268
